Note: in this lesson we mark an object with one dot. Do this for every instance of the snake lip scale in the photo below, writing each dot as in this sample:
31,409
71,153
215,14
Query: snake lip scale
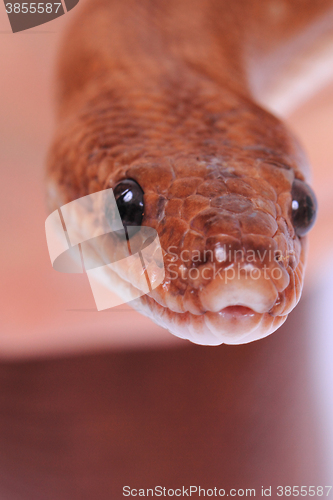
187,325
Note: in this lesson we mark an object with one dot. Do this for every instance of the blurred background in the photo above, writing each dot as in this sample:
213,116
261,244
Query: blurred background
91,402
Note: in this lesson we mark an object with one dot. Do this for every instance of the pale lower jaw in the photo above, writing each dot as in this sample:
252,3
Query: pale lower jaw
233,322
232,325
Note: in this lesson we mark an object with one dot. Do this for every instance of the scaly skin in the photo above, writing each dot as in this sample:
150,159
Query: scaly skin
143,97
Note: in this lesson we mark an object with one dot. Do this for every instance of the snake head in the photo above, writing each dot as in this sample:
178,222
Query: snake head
232,228
222,182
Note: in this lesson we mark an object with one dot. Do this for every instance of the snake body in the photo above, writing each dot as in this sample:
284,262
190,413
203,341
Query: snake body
165,94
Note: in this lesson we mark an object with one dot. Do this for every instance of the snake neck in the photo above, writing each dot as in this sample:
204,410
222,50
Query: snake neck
247,46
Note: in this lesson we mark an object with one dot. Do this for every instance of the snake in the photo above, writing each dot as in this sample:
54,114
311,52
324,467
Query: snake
165,102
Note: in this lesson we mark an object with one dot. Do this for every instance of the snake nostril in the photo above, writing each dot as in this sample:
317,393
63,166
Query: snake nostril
278,257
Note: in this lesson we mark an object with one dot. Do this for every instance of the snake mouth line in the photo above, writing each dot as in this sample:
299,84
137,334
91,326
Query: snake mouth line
233,310
235,324
238,310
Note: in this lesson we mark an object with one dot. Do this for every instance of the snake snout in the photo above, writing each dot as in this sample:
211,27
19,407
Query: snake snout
246,285
239,301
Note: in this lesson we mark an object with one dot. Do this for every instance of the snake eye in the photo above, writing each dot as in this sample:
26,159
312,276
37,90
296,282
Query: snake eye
303,207
129,199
